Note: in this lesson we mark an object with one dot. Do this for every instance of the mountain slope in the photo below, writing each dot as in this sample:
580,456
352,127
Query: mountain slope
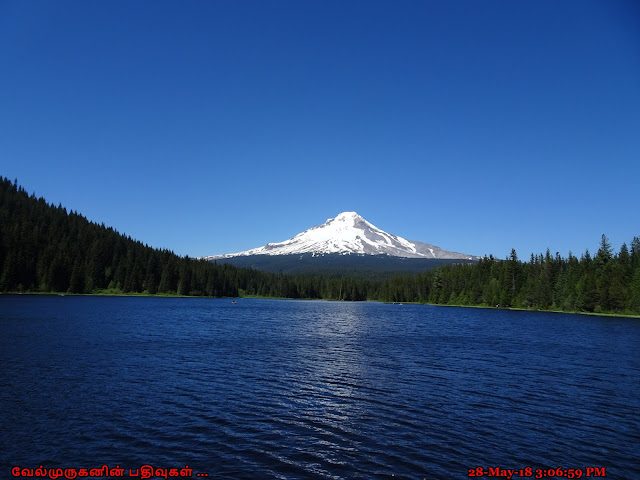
349,233
336,265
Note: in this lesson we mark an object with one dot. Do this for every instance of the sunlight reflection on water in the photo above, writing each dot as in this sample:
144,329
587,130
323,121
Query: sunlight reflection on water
296,389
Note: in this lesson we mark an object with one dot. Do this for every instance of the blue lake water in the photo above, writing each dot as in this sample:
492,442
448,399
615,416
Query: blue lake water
311,389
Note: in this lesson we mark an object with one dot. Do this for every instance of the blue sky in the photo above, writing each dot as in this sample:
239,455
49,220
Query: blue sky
217,126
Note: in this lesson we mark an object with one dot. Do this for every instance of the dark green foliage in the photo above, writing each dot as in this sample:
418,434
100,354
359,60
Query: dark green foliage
606,283
338,265
45,248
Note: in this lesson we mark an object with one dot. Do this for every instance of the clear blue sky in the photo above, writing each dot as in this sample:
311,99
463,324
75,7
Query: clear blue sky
210,127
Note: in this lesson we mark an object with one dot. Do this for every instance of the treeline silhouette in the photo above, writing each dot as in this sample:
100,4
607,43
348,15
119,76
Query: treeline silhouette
44,248
608,282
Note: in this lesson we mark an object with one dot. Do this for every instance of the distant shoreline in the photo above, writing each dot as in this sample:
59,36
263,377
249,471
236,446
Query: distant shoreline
169,295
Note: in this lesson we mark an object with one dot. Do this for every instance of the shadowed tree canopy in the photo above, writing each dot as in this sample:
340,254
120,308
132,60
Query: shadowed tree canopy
44,248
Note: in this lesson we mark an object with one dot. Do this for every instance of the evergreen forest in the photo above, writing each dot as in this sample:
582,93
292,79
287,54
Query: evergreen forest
47,249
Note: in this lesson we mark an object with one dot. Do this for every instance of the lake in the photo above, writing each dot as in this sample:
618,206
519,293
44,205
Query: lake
312,389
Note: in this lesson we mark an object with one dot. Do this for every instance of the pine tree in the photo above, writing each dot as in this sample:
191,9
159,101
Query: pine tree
635,253
77,282
152,274
605,252
184,282
9,277
165,279
634,292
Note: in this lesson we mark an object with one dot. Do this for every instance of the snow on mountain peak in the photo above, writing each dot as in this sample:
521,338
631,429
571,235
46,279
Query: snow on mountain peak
346,216
348,233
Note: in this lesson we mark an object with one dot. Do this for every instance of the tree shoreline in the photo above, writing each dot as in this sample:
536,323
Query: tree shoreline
259,297
45,249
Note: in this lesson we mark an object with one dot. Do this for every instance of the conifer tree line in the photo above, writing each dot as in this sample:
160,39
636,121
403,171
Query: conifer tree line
608,282
44,248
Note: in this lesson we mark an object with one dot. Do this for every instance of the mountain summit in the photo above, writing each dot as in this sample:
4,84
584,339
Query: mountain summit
349,233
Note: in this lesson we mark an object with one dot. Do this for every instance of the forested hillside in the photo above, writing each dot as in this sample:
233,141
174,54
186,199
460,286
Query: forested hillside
338,265
606,282
44,248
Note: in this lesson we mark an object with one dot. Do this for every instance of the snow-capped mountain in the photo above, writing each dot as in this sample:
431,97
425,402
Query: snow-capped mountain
349,233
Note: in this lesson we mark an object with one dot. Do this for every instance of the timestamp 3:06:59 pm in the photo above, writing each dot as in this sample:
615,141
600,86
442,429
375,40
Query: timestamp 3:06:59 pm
530,472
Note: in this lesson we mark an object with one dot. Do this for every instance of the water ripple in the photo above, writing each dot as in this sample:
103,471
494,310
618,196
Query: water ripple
328,390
